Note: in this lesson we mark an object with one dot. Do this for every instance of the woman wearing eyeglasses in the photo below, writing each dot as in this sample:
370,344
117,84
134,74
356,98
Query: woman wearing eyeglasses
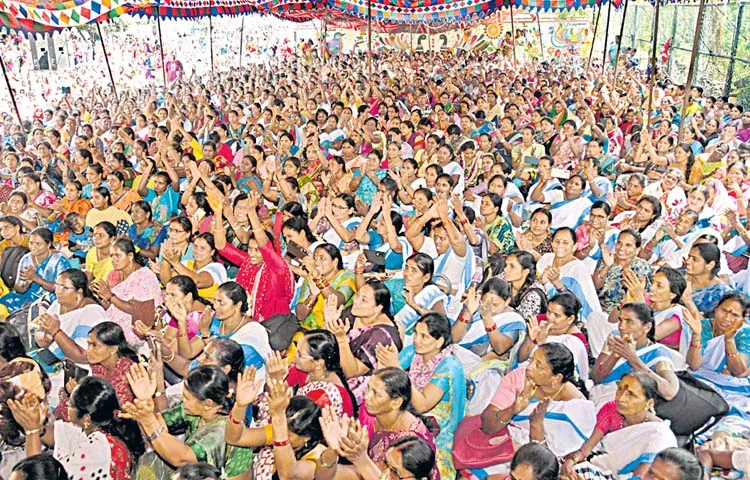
720,348
669,191
336,222
73,313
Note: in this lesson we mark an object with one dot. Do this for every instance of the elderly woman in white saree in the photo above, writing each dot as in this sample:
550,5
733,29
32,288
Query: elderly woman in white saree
542,402
631,348
488,335
627,437
561,270
574,208
720,348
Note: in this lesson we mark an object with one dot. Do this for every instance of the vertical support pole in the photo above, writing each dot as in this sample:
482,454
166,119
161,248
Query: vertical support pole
211,34
369,38
635,27
242,35
674,32
321,41
12,94
691,68
652,80
411,39
161,47
619,42
733,54
106,59
513,35
606,36
593,40
539,27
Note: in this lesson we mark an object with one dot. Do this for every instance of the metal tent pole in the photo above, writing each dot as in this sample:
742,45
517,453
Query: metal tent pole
12,94
106,59
211,35
513,34
242,34
369,38
606,36
691,69
733,54
593,40
652,81
619,42
161,47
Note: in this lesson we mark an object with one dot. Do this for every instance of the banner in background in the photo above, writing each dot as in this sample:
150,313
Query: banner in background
567,33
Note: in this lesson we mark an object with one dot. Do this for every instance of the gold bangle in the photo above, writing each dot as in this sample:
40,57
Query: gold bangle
170,358
29,433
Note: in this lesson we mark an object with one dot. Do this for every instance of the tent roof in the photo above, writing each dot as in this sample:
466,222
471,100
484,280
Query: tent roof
421,16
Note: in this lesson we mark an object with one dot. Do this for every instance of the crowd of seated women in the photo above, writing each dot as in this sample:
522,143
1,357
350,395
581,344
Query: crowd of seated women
433,274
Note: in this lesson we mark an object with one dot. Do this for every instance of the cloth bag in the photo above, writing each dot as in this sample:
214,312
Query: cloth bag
472,448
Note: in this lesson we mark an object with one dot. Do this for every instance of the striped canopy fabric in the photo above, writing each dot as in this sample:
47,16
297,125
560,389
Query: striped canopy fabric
387,15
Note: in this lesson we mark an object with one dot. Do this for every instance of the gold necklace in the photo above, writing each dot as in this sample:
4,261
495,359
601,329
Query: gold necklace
393,424
559,390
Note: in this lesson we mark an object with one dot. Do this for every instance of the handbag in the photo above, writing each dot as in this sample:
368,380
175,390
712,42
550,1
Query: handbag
695,404
472,448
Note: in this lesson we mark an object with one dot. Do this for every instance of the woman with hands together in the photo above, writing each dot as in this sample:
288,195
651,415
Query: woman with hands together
95,440
409,457
203,412
297,438
631,348
543,402
263,272
438,382
720,348
560,325
372,325
627,429
107,353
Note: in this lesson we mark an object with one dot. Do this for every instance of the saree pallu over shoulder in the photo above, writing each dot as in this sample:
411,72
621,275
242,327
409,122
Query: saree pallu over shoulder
508,323
578,349
426,298
686,333
651,355
570,213
736,391
575,277
631,446
567,425
707,299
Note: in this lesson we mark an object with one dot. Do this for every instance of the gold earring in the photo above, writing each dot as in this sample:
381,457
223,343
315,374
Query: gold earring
86,425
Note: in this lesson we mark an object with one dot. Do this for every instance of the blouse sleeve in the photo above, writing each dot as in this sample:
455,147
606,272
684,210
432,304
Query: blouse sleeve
174,416
510,385
441,377
233,254
278,223
272,258
531,304
608,419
